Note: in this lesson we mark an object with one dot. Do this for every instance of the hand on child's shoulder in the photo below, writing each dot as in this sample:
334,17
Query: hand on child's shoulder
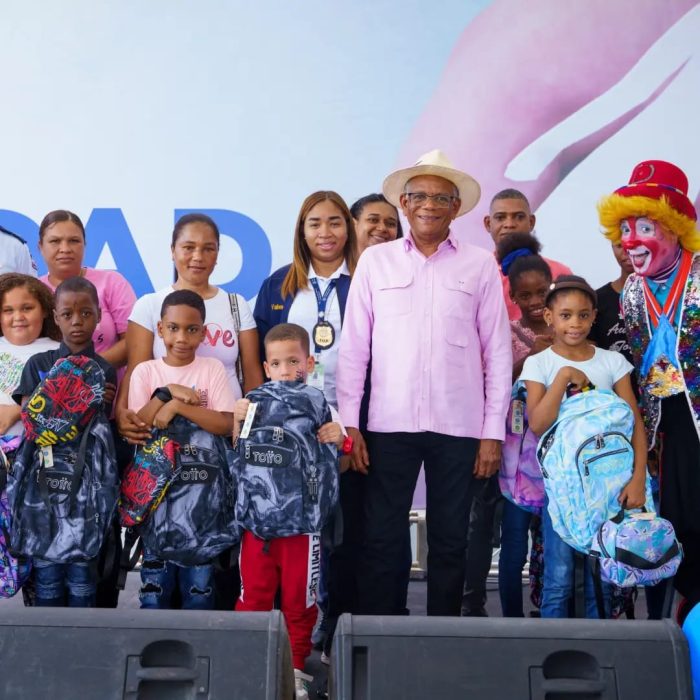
542,342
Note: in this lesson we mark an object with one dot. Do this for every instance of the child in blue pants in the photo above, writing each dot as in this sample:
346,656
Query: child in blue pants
574,363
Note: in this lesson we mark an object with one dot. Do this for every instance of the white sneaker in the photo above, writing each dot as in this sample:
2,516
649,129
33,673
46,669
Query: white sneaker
301,684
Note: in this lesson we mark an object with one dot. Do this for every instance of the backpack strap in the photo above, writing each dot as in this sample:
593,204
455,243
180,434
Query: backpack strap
129,559
78,468
236,315
598,586
80,460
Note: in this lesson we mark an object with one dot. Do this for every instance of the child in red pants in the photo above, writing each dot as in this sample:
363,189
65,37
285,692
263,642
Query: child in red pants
290,564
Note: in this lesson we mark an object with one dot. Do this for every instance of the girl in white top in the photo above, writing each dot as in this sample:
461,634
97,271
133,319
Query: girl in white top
573,363
195,248
27,326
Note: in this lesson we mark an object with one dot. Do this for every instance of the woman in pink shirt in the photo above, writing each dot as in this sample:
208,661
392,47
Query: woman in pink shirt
62,245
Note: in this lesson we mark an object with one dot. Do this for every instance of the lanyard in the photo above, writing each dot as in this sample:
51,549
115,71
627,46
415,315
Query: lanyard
674,294
323,332
321,300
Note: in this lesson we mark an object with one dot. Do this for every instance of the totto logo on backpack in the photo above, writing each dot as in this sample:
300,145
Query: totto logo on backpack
288,480
520,477
586,459
64,481
196,519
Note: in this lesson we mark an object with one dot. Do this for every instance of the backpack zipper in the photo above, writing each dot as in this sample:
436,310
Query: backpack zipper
600,443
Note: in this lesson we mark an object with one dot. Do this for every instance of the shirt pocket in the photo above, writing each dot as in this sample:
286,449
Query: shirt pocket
459,304
394,296
459,299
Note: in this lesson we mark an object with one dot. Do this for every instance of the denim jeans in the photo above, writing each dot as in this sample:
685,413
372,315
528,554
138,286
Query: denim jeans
61,585
159,579
515,526
559,573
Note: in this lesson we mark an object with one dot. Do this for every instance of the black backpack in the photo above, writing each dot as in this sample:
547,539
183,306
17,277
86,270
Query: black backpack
196,520
288,481
62,506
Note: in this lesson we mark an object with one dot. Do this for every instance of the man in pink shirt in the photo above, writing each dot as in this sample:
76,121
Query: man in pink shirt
428,312
510,213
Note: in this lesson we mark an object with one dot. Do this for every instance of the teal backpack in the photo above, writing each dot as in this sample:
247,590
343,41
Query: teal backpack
586,458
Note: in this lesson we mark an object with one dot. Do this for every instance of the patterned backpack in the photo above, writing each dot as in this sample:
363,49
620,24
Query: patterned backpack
13,572
65,401
288,480
586,459
64,482
196,519
636,549
147,479
520,477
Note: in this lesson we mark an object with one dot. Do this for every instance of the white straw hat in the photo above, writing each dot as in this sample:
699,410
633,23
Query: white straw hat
434,163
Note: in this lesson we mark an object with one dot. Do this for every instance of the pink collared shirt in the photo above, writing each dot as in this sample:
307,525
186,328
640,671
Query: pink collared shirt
437,332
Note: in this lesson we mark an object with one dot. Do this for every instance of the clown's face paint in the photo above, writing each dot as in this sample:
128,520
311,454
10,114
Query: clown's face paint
650,246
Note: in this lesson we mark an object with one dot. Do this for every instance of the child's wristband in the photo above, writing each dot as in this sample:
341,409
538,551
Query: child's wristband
347,445
162,393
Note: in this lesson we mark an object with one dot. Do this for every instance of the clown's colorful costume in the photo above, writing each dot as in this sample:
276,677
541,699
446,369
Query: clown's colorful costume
656,223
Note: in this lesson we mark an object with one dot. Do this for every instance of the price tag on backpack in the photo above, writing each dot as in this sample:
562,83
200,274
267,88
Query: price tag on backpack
316,378
47,456
248,422
517,418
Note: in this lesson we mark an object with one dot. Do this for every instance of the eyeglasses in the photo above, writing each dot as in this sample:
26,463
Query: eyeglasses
441,201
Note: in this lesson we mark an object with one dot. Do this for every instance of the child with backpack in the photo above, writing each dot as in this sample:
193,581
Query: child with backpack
529,277
570,365
73,581
196,388
282,510
27,327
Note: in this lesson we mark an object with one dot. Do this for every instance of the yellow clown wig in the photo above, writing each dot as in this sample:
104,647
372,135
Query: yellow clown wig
613,209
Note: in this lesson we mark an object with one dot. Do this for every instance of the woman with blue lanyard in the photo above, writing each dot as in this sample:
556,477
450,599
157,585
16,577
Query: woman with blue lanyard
312,290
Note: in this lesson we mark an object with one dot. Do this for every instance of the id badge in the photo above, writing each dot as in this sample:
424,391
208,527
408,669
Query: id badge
47,456
248,422
517,418
316,378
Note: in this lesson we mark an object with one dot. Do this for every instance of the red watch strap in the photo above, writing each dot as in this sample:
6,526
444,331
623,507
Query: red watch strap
347,445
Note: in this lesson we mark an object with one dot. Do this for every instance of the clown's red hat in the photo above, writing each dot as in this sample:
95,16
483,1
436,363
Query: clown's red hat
657,178
657,190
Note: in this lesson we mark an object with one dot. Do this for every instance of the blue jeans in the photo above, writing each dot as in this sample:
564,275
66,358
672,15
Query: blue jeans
60,585
159,578
559,568
515,525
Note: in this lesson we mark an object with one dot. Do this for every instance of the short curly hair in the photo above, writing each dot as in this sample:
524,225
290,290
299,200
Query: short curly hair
13,280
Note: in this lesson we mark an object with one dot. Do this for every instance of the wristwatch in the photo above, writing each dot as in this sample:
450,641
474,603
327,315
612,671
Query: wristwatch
347,445
162,393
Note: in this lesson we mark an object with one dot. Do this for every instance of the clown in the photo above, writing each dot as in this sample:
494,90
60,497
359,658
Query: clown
655,222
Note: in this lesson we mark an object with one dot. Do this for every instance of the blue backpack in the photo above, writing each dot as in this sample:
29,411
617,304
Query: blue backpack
63,505
13,572
195,520
288,480
586,458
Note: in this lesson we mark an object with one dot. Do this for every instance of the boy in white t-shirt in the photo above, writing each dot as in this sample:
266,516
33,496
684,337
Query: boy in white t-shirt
197,388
